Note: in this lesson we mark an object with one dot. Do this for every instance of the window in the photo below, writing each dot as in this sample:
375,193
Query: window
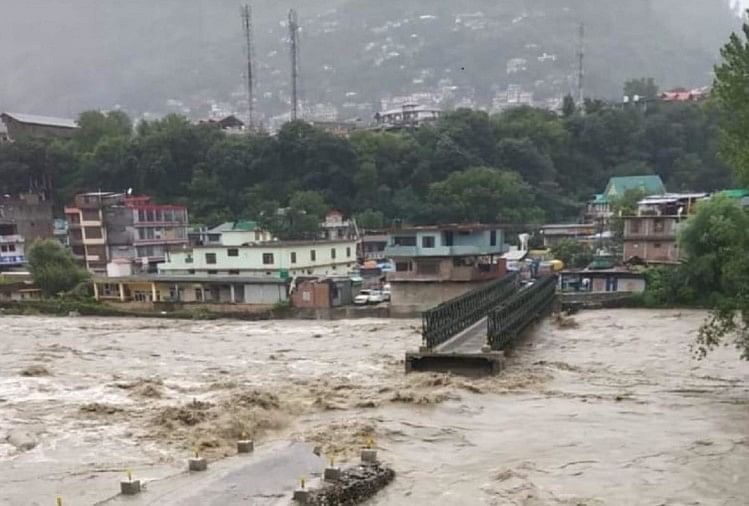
427,267
448,238
634,226
232,252
188,259
267,258
234,273
210,258
493,238
657,245
191,271
93,232
312,255
212,272
3,248
332,253
90,215
348,251
404,240
293,257
402,266
11,247
198,294
427,241
658,226
257,235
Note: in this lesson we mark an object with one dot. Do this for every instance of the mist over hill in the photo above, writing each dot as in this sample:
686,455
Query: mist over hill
62,56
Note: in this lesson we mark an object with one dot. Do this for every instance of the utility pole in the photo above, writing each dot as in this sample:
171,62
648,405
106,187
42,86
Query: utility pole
581,68
294,39
247,25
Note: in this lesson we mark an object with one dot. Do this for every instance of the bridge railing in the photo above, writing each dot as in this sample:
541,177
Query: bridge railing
449,318
506,322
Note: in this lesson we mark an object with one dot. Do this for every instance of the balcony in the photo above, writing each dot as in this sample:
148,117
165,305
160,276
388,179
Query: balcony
442,251
401,251
11,239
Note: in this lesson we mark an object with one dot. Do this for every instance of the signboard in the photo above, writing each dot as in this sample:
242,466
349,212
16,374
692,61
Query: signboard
13,260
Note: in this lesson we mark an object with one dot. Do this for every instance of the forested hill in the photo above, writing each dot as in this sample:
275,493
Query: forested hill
526,165
62,56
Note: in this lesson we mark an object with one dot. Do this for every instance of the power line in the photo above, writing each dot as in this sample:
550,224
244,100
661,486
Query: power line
294,39
248,35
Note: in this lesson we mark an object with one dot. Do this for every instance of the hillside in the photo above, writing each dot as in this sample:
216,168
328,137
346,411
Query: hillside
64,56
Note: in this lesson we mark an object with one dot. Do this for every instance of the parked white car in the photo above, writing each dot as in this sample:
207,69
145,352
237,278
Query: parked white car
386,293
368,297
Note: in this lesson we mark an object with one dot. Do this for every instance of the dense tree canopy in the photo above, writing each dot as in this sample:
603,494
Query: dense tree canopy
53,268
534,164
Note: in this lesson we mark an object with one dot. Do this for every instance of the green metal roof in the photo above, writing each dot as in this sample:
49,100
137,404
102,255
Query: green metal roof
618,186
736,193
600,198
245,225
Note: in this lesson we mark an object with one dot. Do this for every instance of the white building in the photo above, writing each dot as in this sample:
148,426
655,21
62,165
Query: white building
275,259
408,115
11,247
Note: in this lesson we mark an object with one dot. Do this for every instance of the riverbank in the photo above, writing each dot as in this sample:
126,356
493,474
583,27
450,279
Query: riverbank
613,411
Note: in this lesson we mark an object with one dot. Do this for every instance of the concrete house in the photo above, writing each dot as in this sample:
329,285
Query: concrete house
29,125
651,235
438,262
106,226
273,259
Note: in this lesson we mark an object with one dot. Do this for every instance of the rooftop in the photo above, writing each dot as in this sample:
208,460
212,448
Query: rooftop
618,186
235,226
42,120
459,227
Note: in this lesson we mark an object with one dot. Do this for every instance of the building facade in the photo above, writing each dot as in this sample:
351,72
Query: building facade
599,209
407,116
274,259
651,236
436,263
336,226
554,234
12,254
105,226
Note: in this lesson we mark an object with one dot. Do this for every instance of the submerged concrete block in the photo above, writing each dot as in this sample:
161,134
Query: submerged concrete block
246,446
197,464
130,487
301,496
369,456
332,474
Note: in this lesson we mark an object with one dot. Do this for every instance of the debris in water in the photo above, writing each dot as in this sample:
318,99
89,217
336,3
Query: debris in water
34,371
99,409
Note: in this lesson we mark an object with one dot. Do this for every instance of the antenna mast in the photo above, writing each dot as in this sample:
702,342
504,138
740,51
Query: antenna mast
581,67
294,38
247,25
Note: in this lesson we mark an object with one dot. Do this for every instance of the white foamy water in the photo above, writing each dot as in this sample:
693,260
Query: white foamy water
615,411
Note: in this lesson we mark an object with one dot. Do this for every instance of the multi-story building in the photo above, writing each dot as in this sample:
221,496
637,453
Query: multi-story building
106,226
554,234
273,259
651,235
11,247
23,219
337,226
438,262
407,116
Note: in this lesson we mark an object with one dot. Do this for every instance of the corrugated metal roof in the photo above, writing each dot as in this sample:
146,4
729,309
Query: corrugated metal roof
42,120
619,185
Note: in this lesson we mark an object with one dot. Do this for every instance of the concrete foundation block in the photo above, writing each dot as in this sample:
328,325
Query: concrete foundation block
130,487
247,446
197,464
486,349
369,456
301,496
332,474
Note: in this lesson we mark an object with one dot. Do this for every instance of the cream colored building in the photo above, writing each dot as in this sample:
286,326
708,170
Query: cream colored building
274,259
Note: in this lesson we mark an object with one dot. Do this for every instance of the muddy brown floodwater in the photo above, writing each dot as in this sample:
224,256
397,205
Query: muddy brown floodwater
614,411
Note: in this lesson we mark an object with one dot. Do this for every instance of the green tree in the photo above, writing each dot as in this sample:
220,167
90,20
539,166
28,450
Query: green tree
369,219
643,87
715,241
53,268
574,254
731,93
568,106
483,194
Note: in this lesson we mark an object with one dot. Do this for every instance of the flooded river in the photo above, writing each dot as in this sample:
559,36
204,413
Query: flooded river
614,411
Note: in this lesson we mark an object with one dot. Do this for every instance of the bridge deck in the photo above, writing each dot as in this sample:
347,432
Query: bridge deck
471,340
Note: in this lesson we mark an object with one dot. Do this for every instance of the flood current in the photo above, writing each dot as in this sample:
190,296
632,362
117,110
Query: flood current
614,411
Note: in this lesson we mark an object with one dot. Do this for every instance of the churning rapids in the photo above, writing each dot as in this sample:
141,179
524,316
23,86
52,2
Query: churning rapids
615,411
